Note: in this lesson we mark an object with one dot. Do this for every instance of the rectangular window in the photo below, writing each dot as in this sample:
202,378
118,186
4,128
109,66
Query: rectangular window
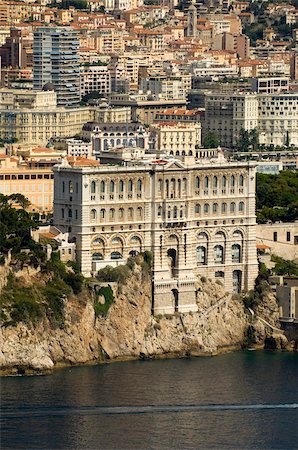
288,236
275,236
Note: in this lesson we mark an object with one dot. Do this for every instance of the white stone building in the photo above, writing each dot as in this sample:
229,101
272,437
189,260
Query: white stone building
173,138
197,219
275,116
77,147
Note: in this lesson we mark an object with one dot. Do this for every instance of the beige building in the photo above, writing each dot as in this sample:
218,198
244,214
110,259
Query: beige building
32,117
33,180
173,138
281,237
197,219
95,78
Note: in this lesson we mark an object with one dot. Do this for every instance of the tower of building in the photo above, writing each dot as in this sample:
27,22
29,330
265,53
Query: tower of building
192,18
56,62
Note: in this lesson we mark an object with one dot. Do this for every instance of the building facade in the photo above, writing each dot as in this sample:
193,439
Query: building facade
105,136
35,183
56,62
32,117
273,115
196,219
95,79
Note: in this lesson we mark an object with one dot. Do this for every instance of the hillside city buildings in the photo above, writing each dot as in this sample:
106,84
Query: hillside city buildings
143,96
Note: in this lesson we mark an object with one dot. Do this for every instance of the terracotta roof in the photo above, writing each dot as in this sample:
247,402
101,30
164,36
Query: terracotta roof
262,246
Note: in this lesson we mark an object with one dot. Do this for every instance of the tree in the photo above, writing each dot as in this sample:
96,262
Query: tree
248,140
211,140
15,223
277,197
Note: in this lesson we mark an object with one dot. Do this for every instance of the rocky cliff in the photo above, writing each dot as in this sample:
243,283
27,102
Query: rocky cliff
128,330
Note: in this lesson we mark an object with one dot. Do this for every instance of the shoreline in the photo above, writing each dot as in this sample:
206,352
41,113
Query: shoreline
19,371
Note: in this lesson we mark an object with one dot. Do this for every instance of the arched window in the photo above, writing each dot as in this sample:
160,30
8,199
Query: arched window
70,187
102,213
140,212
197,184
232,181
236,253
184,184
241,206
224,182
175,212
218,254
116,255
63,186
130,186
93,214
215,207
97,257
214,182
181,212
206,182
232,207
241,181
206,208
93,187
198,208
130,213
167,188
112,187
201,255
62,213
139,185
121,186
121,213
159,211
223,208
102,187
169,213
112,214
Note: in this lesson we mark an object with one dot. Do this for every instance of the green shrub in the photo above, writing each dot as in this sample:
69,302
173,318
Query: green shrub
117,274
101,309
203,279
55,292
148,258
75,281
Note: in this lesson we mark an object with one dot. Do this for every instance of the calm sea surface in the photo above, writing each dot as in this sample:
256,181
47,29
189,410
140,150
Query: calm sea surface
241,400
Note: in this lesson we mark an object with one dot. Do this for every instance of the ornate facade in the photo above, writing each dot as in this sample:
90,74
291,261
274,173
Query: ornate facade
197,218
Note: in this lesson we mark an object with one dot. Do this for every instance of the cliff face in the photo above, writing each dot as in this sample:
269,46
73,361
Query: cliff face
128,329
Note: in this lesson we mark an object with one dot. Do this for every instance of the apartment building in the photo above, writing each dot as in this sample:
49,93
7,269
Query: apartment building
177,139
95,78
273,115
35,183
196,219
56,62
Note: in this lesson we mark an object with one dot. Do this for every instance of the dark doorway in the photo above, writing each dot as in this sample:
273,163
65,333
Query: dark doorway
175,296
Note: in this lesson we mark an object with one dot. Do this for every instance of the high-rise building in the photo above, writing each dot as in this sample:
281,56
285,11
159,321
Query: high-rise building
56,63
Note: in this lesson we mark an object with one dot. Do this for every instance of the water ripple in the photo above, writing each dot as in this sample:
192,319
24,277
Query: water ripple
29,411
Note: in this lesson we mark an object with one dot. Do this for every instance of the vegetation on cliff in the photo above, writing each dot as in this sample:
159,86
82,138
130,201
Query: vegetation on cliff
44,296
